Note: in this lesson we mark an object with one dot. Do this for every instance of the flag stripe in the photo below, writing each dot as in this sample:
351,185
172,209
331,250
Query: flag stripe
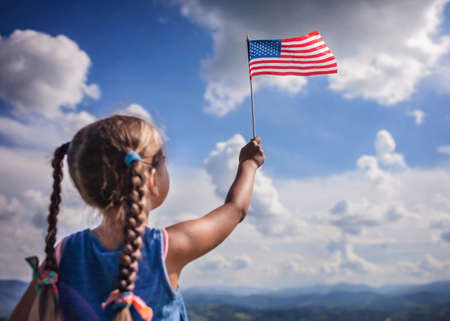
301,56
294,70
328,63
318,53
293,67
271,71
321,45
291,60
294,73
303,43
299,45
307,36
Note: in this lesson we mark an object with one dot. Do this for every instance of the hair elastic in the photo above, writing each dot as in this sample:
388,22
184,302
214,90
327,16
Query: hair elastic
44,277
121,300
132,156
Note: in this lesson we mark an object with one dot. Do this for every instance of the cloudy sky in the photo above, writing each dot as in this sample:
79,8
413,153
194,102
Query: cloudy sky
356,184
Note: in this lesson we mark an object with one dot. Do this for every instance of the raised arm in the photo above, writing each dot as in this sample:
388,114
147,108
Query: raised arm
191,239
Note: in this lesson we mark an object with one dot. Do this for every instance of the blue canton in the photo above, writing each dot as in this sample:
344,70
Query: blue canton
264,48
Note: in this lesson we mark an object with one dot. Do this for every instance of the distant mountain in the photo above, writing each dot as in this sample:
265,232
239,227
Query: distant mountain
324,289
383,301
435,312
398,289
434,287
223,290
387,298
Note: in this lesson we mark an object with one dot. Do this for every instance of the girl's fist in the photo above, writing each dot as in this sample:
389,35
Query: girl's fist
252,152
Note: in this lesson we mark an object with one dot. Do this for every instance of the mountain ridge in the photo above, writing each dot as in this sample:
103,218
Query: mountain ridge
388,298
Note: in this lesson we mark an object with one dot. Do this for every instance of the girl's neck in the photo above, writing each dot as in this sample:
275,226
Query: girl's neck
111,236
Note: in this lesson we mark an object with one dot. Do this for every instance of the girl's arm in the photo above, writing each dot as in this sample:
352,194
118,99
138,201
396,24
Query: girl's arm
23,308
191,239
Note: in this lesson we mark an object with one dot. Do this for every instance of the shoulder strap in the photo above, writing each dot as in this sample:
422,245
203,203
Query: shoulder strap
58,249
165,242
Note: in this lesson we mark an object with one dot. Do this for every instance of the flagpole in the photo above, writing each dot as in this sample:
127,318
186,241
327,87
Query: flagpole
251,87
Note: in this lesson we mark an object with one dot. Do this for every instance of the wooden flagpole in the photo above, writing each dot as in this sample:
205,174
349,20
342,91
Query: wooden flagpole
251,87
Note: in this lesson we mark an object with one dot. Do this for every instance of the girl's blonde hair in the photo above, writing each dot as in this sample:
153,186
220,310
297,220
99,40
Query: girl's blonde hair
96,160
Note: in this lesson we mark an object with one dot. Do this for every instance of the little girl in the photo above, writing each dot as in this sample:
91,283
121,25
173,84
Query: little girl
122,269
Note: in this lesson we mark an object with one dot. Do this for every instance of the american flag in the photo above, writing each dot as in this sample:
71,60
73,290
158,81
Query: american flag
302,56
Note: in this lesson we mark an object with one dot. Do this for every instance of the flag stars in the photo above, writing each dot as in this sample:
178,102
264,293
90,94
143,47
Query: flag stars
265,48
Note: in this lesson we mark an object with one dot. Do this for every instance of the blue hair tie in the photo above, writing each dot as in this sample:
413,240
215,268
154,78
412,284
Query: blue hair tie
131,157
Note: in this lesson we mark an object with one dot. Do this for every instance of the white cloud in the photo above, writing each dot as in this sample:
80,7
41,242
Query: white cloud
396,213
44,134
431,264
389,63
386,157
8,208
369,164
214,262
385,149
138,111
446,236
352,218
386,65
444,149
26,215
298,265
345,259
418,115
341,207
23,169
40,73
240,262
72,122
410,210
427,267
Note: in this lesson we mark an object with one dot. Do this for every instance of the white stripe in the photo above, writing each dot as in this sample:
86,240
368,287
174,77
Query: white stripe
305,54
304,48
312,69
293,70
293,59
301,65
300,42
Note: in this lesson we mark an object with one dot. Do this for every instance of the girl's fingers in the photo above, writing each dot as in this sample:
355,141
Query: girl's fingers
256,139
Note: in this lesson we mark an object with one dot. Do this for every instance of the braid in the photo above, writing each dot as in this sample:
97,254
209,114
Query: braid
55,201
134,228
45,307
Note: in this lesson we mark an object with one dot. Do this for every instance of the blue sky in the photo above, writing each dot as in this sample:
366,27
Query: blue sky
184,63
136,57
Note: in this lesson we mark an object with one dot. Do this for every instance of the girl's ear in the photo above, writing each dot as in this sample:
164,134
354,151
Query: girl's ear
152,186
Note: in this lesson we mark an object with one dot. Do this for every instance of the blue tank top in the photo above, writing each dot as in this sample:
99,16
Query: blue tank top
88,272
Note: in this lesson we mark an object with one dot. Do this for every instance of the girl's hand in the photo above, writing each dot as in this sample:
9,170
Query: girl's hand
252,153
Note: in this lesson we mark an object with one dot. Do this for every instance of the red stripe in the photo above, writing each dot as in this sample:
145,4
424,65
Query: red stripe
303,44
292,67
304,50
308,35
294,73
292,61
324,53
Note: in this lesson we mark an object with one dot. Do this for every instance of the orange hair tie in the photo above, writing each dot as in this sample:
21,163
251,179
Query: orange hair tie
126,299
